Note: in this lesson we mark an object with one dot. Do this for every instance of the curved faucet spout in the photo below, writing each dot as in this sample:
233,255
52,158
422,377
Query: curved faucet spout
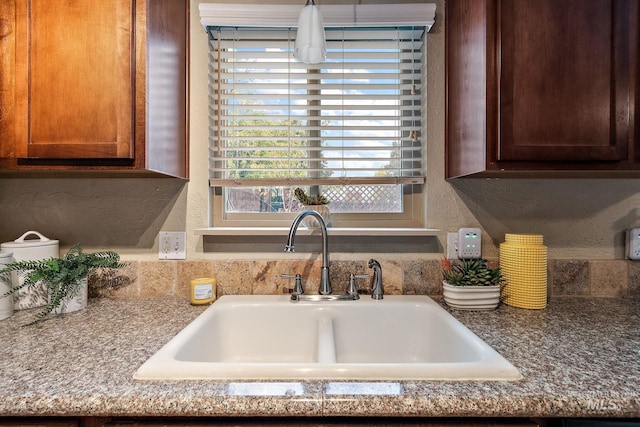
325,282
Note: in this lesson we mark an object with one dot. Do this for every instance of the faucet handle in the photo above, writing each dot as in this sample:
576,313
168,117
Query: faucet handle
297,290
351,289
377,289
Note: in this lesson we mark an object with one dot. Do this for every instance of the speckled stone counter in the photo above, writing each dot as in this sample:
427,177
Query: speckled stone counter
579,358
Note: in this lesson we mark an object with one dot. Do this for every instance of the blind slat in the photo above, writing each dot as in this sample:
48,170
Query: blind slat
274,148
279,121
295,182
279,109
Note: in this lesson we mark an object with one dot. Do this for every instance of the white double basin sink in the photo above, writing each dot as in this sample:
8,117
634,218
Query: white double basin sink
253,337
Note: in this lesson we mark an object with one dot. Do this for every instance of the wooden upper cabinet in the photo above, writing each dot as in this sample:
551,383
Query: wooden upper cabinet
77,59
540,85
95,84
564,86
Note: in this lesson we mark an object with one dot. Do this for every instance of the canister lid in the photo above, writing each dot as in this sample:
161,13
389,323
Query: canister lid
524,238
23,242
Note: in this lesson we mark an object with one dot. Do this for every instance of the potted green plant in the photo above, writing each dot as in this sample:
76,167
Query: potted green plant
316,202
64,278
471,284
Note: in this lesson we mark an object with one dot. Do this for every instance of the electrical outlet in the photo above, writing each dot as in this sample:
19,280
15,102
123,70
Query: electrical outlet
469,243
633,243
172,245
452,245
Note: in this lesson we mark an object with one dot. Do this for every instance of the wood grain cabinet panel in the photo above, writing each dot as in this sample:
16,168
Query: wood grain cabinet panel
82,91
79,78
541,85
329,422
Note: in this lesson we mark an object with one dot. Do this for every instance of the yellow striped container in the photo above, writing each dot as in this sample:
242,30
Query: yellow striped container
523,263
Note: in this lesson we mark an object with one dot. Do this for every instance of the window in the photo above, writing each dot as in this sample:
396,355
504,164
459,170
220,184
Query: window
350,128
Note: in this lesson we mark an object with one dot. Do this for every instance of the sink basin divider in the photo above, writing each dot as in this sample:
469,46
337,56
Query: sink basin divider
326,341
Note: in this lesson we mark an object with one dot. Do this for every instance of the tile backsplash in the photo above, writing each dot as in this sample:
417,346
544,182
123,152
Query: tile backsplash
154,279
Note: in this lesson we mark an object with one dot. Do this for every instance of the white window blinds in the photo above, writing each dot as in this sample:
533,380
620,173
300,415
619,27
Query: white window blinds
354,119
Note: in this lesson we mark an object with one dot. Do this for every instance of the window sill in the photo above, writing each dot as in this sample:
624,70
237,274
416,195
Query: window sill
334,231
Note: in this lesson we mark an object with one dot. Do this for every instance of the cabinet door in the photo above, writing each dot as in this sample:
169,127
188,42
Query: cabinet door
74,79
541,85
564,86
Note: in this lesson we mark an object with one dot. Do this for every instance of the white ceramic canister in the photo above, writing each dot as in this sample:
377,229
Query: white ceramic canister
6,303
31,249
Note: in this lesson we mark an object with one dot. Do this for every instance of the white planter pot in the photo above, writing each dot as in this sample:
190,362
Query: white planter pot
471,297
6,283
78,302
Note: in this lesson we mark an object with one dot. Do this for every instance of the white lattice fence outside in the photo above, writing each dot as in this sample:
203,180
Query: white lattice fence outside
364,198
343,199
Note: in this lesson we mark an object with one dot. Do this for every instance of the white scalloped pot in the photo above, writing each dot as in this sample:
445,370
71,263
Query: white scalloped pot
471,297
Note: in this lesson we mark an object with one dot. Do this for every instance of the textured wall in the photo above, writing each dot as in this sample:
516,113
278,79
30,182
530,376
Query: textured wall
96,212
579,218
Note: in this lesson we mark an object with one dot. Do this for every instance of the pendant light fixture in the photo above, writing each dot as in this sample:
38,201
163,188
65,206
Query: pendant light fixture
310,46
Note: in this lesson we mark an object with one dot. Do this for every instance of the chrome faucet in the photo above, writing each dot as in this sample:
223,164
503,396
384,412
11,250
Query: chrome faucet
325,282
377,290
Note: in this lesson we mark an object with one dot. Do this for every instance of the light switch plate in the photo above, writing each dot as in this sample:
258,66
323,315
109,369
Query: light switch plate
469,243
452,245
172,245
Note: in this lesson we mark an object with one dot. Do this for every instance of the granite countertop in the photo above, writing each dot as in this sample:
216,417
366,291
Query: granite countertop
579,358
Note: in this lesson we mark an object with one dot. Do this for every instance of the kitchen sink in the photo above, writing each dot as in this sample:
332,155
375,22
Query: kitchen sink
270,337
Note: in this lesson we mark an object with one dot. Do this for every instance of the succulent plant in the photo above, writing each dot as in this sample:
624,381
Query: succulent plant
470,272
317,199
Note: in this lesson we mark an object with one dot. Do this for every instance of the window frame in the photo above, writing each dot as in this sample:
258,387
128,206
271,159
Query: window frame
414,201
412,216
